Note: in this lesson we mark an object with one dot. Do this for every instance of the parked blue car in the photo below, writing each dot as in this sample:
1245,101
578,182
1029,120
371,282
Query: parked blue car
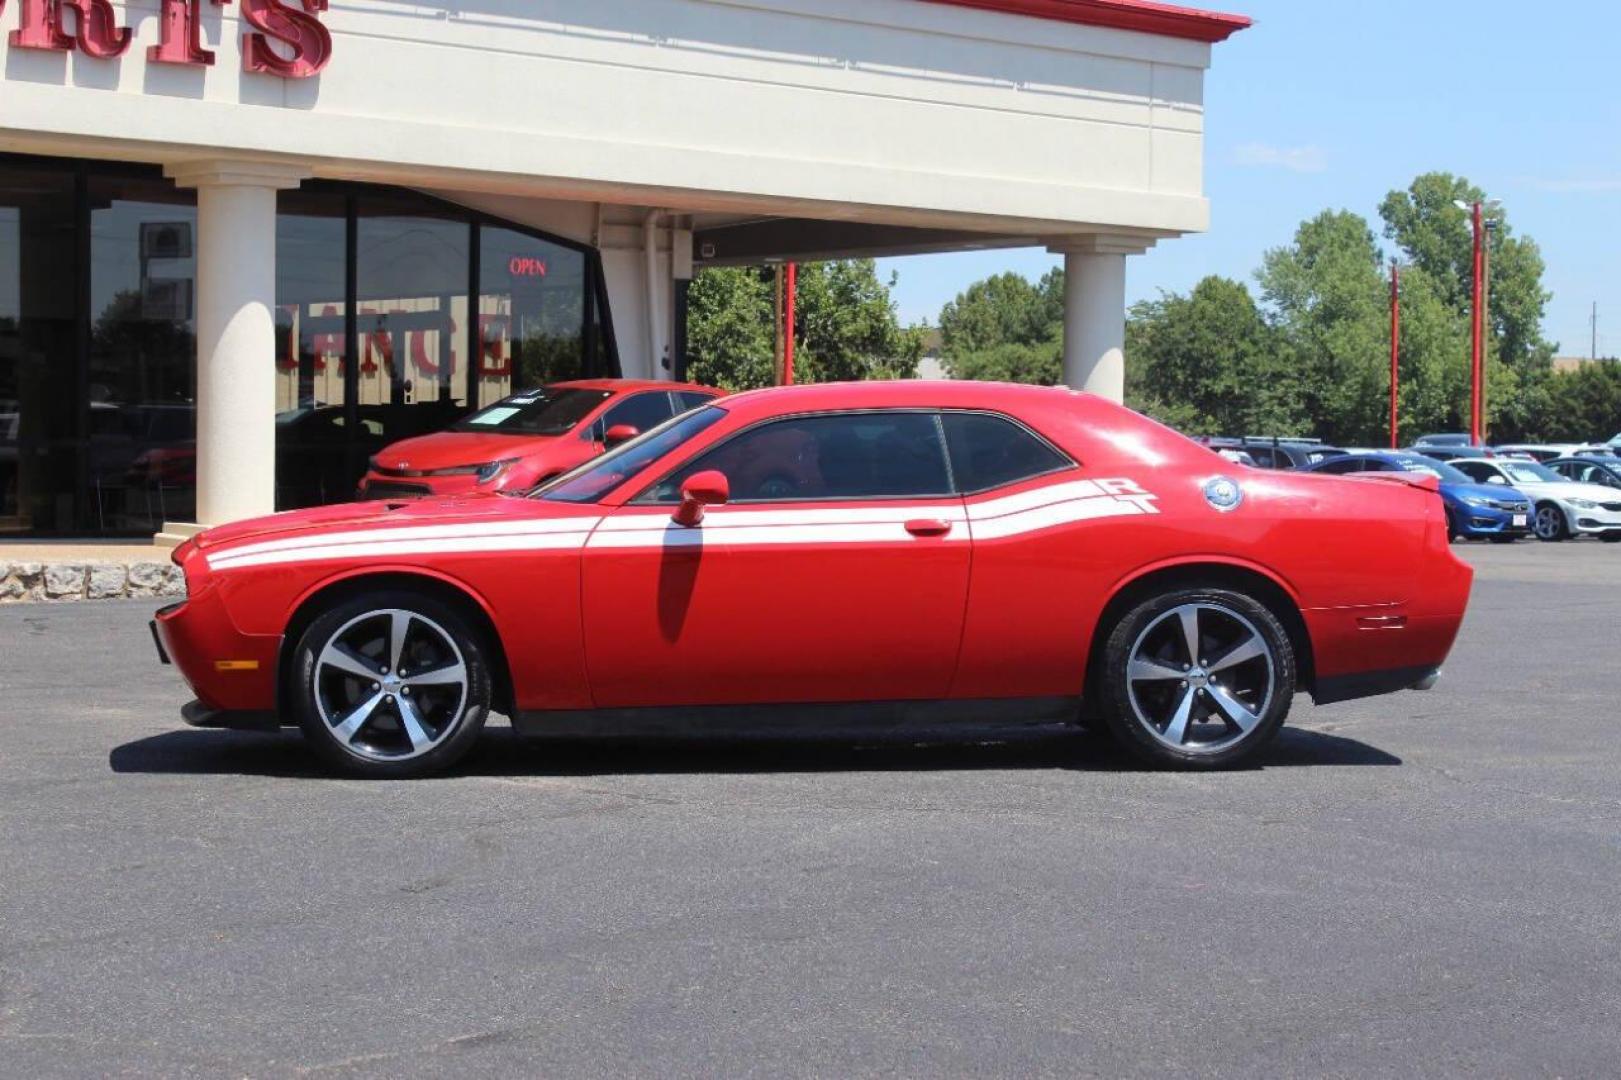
1473,510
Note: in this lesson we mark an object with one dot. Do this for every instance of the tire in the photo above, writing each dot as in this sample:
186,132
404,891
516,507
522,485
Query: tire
1549,523
1454,534
1610,537
413,725
1226,721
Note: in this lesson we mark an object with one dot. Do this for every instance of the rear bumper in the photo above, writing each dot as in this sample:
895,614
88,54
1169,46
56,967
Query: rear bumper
1373,683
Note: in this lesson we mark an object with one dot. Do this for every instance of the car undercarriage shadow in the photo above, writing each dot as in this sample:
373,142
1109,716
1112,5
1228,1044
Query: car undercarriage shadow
501,753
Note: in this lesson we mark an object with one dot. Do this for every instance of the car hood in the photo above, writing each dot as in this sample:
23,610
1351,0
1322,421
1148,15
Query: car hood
1494,492
1573,490
381,516
452,449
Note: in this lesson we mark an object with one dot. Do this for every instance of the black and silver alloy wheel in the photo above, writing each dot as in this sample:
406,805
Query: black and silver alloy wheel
1200,678
391,685
1196,678
1549,523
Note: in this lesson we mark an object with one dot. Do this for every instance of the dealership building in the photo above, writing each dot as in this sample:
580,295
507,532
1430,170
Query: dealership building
243,246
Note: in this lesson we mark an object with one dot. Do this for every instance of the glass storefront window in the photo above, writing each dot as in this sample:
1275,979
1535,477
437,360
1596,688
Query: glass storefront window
531,312
315,462
375,336
143,353
411,277
40,452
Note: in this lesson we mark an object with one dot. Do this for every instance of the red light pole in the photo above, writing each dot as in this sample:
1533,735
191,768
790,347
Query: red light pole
791,299
1395,345
1477,363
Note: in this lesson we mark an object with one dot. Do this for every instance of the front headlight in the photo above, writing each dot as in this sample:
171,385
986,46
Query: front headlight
1477,500
1583,504
488,474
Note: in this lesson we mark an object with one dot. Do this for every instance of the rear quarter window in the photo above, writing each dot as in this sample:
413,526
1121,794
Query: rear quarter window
989,451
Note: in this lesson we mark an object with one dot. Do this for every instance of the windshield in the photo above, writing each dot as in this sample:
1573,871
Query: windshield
548,411
599,476
1529,472
1438,469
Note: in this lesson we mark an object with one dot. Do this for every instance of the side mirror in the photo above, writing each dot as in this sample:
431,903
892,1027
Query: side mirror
619,433
701,490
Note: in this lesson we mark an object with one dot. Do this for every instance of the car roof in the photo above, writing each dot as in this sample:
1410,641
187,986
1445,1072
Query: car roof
903,393
621,386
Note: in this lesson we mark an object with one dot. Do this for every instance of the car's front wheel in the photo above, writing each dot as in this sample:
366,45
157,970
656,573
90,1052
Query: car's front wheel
394,684
1197,678
1549,523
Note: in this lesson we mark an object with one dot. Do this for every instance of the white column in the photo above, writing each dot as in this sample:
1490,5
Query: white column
236,338
1095,312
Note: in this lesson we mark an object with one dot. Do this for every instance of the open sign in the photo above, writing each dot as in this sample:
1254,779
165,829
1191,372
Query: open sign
523,266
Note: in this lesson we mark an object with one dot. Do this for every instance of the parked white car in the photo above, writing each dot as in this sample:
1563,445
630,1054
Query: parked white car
1561,507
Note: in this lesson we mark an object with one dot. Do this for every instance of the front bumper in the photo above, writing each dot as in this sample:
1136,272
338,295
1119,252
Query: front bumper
1592,522
1484,521
226,668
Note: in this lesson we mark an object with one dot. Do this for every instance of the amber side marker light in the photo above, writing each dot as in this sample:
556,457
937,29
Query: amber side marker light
236,665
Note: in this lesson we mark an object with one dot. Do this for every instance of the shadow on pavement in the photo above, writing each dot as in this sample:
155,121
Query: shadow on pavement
501,753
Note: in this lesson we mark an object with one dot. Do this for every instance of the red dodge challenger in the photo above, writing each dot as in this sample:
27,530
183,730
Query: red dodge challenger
836,555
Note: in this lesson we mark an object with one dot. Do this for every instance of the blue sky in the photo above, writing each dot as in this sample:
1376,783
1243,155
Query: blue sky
1332,103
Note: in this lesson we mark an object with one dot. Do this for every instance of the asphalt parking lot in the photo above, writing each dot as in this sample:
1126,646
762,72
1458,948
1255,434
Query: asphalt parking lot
1423,884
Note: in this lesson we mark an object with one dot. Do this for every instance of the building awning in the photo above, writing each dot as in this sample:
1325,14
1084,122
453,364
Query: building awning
1143,16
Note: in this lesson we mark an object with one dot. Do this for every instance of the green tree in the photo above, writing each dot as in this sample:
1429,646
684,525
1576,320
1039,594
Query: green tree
1006,328
729,329
1209,364
1583,404
1327,292
846,327
1437,237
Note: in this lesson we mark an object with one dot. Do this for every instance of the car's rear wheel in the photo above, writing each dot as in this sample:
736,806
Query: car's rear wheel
1197,678
394,684
1549,523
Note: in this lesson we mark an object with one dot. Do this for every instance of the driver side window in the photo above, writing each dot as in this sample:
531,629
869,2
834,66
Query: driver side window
824,458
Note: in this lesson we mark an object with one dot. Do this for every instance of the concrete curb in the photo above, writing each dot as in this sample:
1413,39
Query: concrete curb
68,582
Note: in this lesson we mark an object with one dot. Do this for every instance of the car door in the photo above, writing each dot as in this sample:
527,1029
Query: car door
838,571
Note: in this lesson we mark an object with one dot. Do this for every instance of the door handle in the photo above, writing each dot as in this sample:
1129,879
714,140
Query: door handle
928,527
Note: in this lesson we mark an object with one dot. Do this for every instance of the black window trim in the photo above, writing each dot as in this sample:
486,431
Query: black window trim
642,497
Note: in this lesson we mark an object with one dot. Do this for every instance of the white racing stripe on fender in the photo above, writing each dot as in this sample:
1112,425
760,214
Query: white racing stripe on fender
1034,499
493,529
382,549
1047,517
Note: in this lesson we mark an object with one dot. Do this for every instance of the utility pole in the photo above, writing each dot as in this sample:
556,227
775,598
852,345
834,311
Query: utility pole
1395,344
1594,320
